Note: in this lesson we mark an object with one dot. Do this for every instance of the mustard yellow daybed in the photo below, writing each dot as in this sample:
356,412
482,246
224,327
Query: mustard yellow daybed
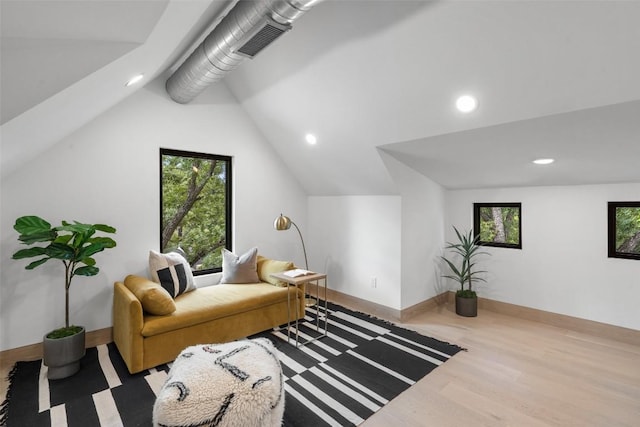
207,315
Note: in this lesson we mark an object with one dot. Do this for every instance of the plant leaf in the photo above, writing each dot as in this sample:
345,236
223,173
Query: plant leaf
28,253
74,228
34,264
64,239
86,271
80,238
31,224
89,261
104,228
60,251
40,236
89,250
106,242
452,267
457,279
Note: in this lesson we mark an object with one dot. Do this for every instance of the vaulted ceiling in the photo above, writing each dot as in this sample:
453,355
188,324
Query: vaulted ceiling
553,79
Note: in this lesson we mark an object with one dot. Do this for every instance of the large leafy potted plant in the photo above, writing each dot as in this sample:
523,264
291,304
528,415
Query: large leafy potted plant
463,270
75,245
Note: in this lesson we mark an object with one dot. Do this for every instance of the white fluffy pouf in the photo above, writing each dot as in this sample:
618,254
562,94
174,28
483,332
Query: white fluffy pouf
233,384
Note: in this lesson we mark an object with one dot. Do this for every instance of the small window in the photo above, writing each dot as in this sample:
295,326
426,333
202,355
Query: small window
498,224
195,207
624,230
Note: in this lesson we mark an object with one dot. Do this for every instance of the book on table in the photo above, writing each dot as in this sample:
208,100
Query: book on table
297,272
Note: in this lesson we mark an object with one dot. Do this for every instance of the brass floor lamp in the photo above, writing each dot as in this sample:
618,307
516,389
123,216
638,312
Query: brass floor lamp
284,223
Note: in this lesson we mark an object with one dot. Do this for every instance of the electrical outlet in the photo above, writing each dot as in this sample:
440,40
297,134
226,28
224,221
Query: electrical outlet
374,282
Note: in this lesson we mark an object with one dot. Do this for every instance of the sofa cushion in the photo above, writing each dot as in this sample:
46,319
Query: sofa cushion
153,297
172,271
215,302
239,269
266,267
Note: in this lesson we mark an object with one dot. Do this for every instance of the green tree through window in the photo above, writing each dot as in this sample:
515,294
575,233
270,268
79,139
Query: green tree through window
624,230
498,224
195,207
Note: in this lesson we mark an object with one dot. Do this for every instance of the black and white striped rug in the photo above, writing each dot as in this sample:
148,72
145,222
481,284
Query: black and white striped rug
339,380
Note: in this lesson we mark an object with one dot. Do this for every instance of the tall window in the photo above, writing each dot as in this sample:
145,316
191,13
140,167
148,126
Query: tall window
195,207
624,230
498,224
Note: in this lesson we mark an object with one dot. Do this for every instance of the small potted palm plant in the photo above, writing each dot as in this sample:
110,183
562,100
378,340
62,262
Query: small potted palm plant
465,252
74,245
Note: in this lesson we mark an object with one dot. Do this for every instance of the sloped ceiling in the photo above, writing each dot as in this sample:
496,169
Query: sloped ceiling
592,146
63,42
64,62
365,76
553,78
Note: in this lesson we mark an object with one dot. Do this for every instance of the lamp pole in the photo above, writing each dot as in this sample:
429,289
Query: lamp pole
304,250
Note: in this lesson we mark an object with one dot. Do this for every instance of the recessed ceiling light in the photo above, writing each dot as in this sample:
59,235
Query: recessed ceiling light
134,80
466,103
311,139
543,161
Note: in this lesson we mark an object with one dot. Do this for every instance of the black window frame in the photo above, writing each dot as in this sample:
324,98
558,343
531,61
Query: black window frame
476,224
228,197
612,229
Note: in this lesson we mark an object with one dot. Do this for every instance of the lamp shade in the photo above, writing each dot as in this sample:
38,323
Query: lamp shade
282,223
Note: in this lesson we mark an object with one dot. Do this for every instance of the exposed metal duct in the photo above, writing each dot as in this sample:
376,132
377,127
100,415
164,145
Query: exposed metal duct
249,27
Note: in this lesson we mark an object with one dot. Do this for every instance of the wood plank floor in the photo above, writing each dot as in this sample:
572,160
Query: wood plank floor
518,373
514,373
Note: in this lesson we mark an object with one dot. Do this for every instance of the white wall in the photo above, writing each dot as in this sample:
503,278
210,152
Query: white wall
355,239
563,265
396,239
422,232
108,172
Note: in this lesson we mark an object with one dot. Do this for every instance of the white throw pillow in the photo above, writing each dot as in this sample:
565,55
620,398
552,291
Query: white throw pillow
240,269
172,271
